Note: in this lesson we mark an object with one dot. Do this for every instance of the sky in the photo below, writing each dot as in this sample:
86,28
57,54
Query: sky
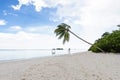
30,24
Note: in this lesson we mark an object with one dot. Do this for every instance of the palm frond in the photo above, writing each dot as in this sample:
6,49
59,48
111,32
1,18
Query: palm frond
61,35
62,31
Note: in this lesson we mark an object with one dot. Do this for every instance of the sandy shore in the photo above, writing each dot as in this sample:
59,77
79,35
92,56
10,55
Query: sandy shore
80,66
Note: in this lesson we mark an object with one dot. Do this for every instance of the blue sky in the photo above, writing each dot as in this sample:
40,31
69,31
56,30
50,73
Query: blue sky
30,24
25,17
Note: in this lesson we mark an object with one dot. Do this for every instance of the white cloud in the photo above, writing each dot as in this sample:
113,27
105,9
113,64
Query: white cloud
23,40
37,3
15,28
21,2
17,7
2,22
5,13
94,14
89,18
100,16
40,29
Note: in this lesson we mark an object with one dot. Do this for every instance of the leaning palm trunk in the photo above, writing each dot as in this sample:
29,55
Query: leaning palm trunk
86,41
63,32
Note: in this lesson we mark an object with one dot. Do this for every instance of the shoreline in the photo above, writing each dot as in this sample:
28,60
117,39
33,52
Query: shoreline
27,54
10,60
78,66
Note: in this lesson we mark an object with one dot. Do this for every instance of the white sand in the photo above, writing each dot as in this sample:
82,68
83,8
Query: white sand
83,66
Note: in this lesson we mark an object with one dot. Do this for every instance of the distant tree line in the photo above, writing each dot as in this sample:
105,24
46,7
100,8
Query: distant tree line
109,42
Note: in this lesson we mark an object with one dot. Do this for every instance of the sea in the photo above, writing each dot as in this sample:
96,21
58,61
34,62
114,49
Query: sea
15,54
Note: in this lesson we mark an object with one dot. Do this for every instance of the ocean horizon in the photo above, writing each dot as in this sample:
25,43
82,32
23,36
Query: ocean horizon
14,54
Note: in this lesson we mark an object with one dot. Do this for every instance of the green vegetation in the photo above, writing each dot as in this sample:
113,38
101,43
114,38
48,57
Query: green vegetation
63,31
109,42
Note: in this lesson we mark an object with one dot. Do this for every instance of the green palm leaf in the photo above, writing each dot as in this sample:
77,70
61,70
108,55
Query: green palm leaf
63,31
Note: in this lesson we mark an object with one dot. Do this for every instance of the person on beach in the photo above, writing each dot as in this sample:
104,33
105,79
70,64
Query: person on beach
69,51
53,51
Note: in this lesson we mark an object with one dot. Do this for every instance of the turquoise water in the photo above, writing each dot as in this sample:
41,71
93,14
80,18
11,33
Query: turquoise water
11,54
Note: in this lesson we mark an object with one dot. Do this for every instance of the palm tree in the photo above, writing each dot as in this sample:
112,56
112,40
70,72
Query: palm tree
63,30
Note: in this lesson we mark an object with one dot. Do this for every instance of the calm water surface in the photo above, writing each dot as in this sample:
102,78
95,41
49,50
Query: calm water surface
11,54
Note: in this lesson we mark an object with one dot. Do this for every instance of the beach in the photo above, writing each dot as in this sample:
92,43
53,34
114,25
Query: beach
78,66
